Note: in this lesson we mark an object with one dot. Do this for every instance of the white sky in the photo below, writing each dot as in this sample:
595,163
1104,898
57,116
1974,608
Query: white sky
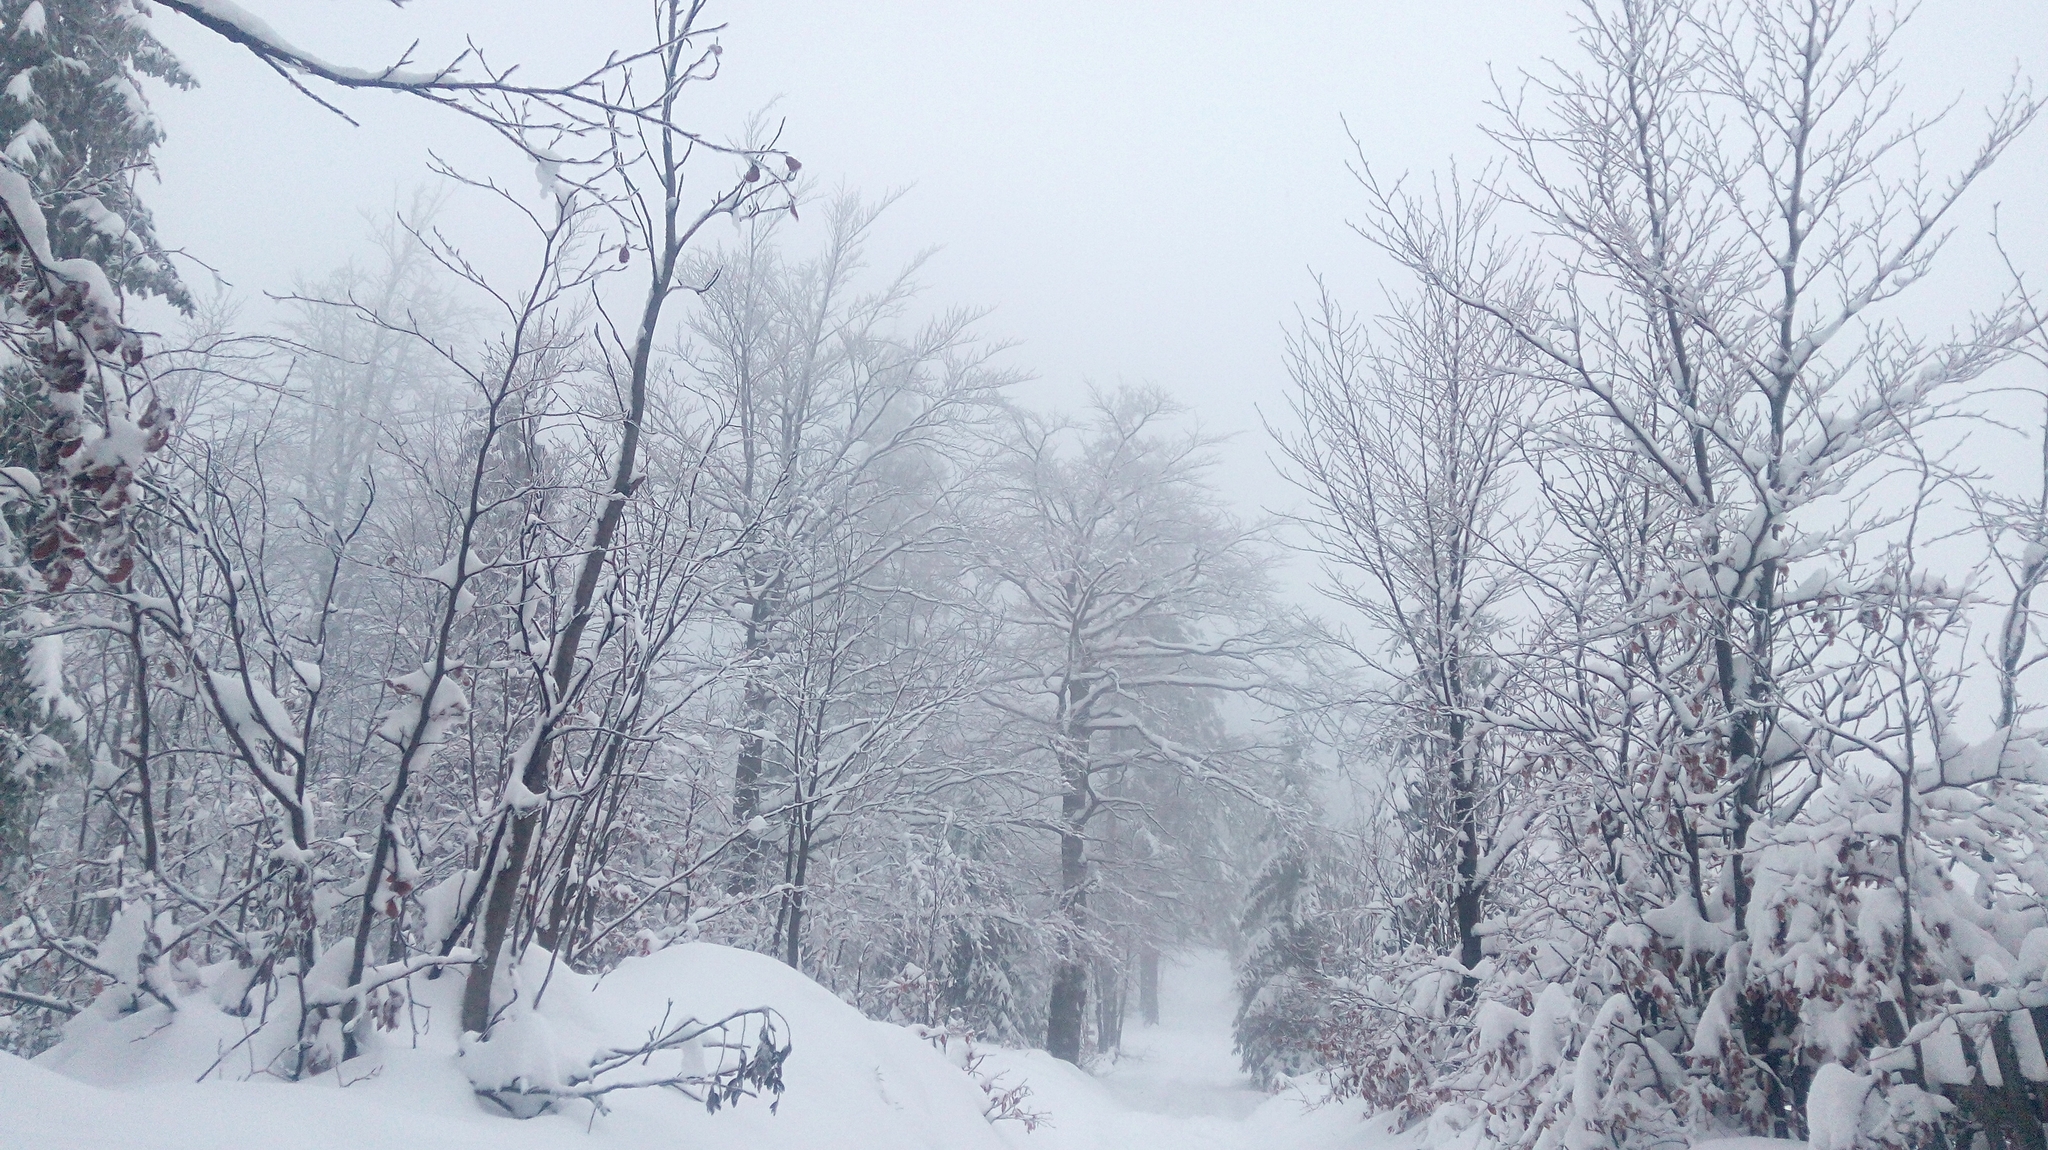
1138,189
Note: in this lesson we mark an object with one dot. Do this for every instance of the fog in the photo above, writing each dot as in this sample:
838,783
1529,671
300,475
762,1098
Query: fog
1139,191
1400,576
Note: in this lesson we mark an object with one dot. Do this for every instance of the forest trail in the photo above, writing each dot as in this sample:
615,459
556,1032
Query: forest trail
1185,1066
1177,1085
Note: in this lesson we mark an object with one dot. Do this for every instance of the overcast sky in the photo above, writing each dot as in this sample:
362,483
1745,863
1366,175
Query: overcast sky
1138,190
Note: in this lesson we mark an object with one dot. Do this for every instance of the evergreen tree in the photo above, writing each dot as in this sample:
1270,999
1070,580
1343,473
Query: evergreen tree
1286,940
32,737
983,986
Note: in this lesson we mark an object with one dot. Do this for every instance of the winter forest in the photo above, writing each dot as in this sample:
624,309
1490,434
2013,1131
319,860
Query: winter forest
623,658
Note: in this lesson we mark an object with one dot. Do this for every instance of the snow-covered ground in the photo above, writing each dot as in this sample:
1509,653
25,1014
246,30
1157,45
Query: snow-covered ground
852,1084
1184,1066
1177,1085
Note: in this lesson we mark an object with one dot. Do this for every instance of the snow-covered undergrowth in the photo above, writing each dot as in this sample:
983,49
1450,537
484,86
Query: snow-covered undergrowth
186,1078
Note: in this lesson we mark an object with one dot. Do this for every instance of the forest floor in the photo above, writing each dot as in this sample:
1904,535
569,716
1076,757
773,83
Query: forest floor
1177,1085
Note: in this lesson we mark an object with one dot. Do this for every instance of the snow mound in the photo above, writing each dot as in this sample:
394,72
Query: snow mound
133,1080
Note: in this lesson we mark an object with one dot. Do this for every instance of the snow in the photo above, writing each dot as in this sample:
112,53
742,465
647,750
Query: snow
121,1080
19,482
456,574
1551,1017
19,198
452,571
43,670
256,713
129,1080
1943,1053
1177,1086
449,704
229,13
1834,1108
30,139
1185,1064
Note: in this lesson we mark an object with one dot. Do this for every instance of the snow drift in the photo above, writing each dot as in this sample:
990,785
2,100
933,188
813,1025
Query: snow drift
178,1079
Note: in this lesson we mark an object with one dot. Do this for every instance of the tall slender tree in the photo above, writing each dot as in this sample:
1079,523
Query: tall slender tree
1131,590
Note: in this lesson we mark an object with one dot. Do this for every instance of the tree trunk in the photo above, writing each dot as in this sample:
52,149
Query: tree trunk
1069,1004
1465,817
1068,1010
749,852
504,896
535,773
1148,985
1109,1007
798,875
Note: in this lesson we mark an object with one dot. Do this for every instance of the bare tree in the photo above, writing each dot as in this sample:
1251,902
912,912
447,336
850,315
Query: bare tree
646,161
1129,587
1405,448
1720,203
849,425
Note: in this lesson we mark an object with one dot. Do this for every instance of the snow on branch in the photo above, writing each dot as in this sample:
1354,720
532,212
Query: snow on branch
749,1047
591,104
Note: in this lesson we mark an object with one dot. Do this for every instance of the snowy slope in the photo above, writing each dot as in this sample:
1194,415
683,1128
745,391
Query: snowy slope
852,1083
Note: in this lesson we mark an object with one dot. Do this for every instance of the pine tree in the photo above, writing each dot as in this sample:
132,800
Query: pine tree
1279,1003
983,986
33,740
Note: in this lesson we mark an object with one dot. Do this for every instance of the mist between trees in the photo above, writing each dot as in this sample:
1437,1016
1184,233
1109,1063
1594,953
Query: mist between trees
1657,762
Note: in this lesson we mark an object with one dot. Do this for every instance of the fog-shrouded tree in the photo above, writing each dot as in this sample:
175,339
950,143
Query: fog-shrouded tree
1135,600
1334,893
1406,449
642,186
1165,852
852,419
290,622
1407,443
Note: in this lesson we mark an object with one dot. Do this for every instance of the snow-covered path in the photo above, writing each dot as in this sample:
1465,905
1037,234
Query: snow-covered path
1177,1085
1184,1067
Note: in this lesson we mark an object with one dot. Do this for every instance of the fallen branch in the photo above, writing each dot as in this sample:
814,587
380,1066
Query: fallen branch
755,1067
